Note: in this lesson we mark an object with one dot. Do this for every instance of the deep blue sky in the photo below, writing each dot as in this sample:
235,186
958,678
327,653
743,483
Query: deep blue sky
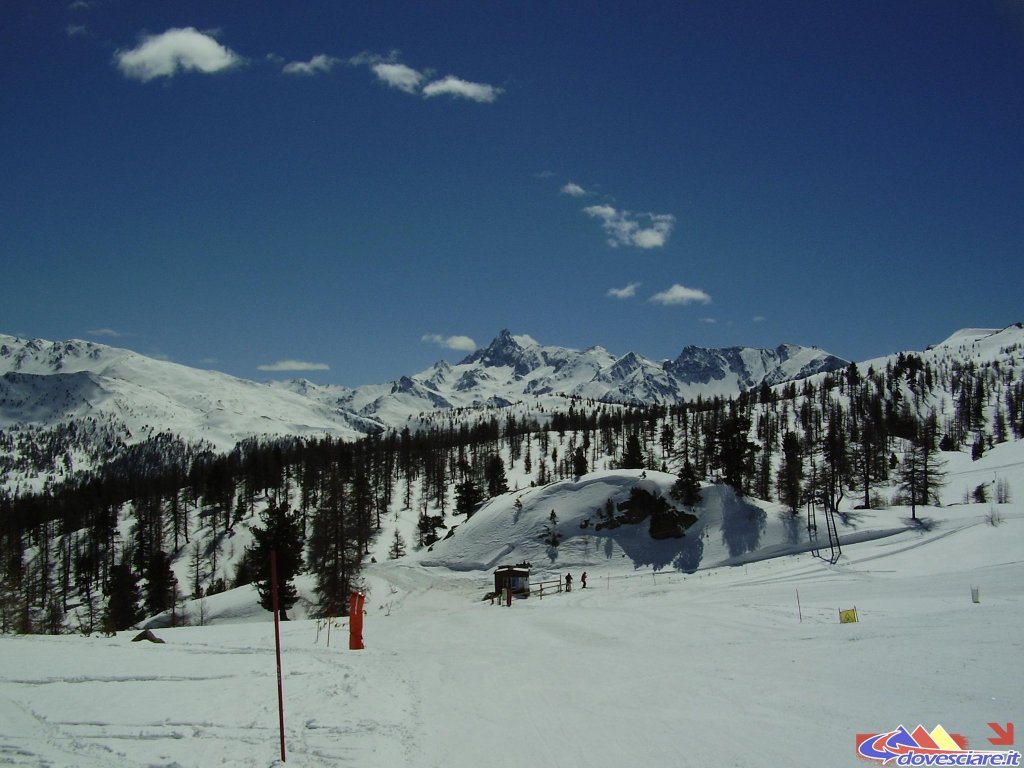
848,175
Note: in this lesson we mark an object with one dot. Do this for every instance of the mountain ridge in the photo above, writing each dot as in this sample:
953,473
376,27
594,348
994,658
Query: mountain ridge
46,384
510,368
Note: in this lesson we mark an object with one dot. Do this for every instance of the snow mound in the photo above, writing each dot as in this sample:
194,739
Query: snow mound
730,530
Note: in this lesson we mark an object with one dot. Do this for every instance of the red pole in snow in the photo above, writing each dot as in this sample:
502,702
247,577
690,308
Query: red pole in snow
355,621
277,646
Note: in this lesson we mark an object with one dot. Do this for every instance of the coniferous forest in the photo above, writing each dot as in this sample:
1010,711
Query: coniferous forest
95,552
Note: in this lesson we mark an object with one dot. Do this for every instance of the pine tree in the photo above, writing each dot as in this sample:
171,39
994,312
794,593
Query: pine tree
835,461
579,462
921,476
123,598
494,475
335,550
735,451
686,489
632,454
281,533
791,472
161,584
467,497
397,549
195,563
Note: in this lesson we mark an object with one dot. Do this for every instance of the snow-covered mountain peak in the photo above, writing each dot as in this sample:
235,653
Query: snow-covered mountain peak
983,337
521,353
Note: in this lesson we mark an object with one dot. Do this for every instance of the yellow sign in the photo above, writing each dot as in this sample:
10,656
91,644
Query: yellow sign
848,616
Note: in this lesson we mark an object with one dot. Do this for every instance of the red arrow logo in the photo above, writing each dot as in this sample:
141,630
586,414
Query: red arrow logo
1004,736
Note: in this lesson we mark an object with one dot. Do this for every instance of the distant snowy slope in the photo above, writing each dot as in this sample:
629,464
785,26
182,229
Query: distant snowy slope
966,336
45,383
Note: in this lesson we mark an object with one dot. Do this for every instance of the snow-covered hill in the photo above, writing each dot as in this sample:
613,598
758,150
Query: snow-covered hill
729,530
45,383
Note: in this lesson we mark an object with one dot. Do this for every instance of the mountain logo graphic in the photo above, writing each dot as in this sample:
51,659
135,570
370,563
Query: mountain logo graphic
937,747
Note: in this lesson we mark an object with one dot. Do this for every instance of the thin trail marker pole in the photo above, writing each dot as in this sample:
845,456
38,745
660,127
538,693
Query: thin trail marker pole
798,610
277,646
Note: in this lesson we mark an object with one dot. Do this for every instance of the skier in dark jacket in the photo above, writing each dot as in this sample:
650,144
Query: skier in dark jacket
568,582
583,579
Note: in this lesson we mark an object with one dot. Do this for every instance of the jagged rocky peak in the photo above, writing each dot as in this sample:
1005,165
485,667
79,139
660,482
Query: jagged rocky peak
796,362
750,366
520,353
698,365
626,364
404,384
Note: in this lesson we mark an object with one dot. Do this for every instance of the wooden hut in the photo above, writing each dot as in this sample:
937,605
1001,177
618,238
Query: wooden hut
513,577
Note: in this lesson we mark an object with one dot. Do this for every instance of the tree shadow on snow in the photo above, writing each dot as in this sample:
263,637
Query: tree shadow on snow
742,524
794,526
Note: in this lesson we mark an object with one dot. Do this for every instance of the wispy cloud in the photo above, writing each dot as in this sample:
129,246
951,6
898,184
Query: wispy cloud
107,332
76,30
163,55
460,343
319,64
708,321
574,190
462,89
758,318
400,76
638,230
294,365
393,73
680,294
624,293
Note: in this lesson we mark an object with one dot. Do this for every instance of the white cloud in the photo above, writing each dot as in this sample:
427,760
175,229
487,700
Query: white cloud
639,230
708,321
758,318
294,365
680,294
76,30
624,293
108,332
389,70
318,64
460,343
398,76
463,89
165,54
574,190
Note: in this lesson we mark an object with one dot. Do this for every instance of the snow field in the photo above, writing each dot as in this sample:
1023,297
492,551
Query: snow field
706,669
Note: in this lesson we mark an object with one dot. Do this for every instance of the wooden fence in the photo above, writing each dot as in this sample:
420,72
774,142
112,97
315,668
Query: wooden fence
540,588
